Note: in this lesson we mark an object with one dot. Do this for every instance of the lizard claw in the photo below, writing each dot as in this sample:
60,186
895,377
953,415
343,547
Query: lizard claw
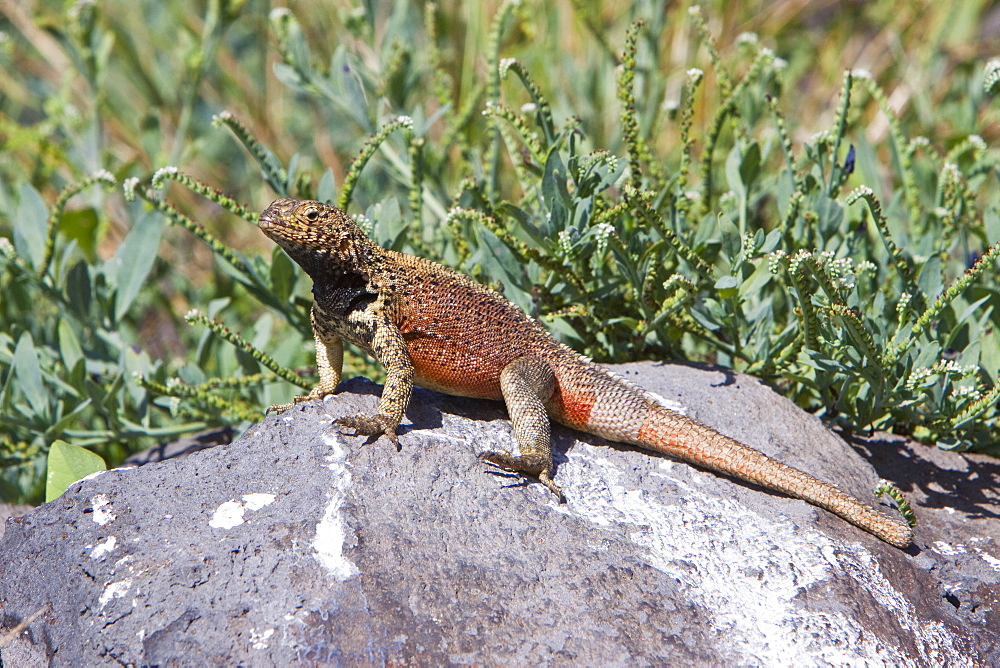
376,425
278,409
539,468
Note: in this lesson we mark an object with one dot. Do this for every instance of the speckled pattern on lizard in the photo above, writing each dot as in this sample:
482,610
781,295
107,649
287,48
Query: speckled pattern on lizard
433,327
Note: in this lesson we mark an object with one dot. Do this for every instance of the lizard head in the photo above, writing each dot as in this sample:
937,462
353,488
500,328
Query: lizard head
319,237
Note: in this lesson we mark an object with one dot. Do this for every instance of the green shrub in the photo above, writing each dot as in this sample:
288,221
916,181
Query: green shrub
642,207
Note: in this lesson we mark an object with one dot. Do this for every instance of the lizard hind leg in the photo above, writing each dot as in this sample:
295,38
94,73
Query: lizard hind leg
526,384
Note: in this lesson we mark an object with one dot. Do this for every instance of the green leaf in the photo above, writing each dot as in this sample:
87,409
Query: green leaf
771,241
750,166
929,281
69,345
732,243
283,274
288,76
704,319
58,427
756,282
733,174
554,192
82,225
30,225
972,308
991,224
327,189
79,289
135,259
727,286
29,374
67,464
831,215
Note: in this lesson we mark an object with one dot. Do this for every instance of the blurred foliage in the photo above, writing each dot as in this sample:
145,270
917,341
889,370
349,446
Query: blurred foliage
706,185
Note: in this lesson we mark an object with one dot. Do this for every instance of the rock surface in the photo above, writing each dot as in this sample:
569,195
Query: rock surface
295,543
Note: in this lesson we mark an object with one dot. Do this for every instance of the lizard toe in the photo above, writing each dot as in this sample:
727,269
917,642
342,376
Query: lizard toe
537,467
296,400
371,425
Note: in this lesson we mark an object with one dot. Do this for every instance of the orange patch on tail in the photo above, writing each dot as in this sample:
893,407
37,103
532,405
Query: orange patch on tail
572,409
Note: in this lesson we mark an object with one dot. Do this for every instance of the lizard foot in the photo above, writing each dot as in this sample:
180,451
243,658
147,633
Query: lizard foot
376,425
296,400
534,467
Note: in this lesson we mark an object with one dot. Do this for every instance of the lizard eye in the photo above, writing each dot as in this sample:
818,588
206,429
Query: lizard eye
311,214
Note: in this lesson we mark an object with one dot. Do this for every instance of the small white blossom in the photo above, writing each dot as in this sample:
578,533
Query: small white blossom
964,391
800,256
858,193
162,174
904,302
129,186
603,231
505,65
364,222
917,376
77,8
774,261
820,136
565,243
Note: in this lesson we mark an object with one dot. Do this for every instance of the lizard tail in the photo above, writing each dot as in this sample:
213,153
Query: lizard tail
674,434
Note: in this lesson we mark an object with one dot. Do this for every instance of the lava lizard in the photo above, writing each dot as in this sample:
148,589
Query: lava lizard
431,326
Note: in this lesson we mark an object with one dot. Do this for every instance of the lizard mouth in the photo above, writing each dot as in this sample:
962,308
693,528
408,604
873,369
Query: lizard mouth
270,225
273,218
266,221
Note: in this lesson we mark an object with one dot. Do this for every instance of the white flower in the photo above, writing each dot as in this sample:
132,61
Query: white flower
128,186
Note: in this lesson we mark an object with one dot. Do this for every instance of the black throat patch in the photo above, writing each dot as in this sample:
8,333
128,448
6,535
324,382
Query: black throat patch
341,293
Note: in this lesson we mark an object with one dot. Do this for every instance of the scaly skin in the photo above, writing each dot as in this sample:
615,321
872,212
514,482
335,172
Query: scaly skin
433,327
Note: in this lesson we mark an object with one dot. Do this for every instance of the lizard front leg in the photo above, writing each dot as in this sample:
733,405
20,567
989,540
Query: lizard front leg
526,384
329,362
389,348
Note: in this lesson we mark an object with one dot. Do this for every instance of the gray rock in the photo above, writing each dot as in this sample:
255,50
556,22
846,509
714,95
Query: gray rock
298,543
11,510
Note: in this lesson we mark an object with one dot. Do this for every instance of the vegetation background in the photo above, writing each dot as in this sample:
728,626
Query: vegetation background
684,187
